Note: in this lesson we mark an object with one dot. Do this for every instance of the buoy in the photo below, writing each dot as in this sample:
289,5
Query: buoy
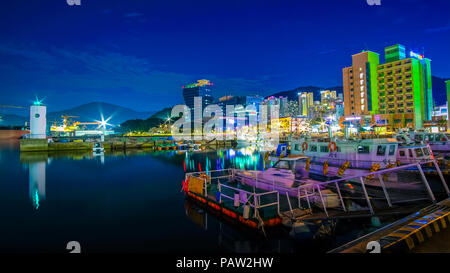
218,197
236,199
246,212
374,168
343,168
243,197
325,168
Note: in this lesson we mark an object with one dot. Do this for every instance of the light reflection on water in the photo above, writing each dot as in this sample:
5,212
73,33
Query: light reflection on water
125,201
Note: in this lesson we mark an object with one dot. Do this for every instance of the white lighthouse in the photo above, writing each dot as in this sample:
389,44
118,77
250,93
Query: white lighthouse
38,120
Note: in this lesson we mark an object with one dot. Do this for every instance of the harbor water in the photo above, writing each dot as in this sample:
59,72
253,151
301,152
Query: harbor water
131,201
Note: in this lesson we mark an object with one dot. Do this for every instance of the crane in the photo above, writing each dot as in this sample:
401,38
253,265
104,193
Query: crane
67,116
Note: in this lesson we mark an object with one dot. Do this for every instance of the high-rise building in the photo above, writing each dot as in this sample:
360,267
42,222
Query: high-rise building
448,102
305,103
394,53
327,96
281,102
202,88
360,84
404,88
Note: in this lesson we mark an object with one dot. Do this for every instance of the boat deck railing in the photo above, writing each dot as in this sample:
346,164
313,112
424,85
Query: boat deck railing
219,184
334,161
306,191
251,198
370,192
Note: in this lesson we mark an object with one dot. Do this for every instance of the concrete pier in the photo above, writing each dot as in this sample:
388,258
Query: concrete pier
30,145
413,233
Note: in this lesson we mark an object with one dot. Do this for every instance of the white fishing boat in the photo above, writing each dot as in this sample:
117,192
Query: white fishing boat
286,176
183,147
258,141
409,151
361,155
98,148
439,142
195,147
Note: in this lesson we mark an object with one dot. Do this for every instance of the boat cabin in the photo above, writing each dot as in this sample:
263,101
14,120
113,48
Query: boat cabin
361,153
408,154
430,137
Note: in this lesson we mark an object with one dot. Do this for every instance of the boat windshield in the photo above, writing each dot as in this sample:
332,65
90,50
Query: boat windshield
286,164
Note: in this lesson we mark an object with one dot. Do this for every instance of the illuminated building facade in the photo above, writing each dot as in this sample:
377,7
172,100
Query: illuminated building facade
404,89
242,114
281,101
360,84
327,96
398,93
305,103
447,83
202,88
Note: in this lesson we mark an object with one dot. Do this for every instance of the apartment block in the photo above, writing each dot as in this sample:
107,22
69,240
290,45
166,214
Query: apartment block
360,84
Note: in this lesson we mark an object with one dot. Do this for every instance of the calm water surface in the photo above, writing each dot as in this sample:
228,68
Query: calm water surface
126,202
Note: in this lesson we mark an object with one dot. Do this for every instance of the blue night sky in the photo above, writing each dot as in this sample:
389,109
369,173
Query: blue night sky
139,54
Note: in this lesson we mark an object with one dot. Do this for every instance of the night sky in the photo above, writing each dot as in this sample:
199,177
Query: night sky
139,54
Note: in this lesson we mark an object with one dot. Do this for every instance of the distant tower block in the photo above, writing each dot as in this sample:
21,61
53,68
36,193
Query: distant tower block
38,120
447,83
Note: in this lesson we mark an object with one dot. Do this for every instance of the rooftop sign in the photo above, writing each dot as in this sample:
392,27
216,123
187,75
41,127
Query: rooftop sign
416,55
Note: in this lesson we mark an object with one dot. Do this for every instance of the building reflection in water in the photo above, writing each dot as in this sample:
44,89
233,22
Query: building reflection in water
37,182
101,156
232,238
36,162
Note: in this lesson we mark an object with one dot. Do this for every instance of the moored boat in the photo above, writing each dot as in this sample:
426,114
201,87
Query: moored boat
98,148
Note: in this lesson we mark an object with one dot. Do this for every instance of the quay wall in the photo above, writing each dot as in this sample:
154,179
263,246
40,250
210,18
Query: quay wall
30,145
